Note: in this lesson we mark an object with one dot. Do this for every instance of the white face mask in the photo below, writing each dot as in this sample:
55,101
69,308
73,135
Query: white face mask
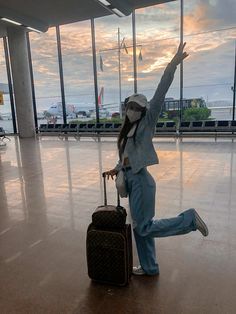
133,115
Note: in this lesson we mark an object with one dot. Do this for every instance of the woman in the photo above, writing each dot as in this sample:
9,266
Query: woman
136,152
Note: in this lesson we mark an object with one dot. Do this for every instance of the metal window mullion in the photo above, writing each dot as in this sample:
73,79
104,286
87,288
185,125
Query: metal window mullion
63,100
181,64
234,87
9,77
95,77
32,81
119,72
134,51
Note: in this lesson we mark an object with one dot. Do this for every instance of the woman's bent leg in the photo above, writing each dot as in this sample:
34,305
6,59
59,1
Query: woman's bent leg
142,191
182,224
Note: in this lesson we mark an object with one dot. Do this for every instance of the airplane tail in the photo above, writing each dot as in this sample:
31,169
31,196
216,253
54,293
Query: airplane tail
101,97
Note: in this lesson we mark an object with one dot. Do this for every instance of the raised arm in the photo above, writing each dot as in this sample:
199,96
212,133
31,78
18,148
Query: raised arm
157,101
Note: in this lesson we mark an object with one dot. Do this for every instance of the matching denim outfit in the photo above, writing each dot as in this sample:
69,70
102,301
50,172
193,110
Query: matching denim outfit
142,188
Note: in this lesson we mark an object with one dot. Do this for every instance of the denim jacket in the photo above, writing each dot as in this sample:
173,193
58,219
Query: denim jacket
141,152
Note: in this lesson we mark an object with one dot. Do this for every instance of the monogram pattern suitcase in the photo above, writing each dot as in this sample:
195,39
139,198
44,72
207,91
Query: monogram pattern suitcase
109,216
109,244
109,255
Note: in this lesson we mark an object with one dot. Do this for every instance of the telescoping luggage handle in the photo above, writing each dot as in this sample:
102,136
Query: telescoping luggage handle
105,192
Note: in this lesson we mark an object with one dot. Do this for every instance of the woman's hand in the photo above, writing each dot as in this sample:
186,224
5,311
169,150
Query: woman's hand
180,55
111,173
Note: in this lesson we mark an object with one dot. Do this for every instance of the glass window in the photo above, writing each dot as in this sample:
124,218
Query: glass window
46,76
157,29
78,70
108,66
209,29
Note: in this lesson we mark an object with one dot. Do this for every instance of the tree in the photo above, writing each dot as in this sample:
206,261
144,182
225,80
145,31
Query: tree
198,103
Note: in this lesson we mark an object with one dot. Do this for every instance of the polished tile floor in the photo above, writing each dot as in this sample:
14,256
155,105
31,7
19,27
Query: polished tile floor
48,191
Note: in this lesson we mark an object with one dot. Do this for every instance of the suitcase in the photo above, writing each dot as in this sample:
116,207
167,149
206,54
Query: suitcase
109,255
109,251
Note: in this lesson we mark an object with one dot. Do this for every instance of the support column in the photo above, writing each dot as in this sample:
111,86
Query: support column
21,80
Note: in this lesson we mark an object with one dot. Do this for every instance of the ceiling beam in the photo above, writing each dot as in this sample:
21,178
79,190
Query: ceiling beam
24,20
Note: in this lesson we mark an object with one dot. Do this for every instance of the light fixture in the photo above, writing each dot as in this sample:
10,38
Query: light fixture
10,21
104,2
118,12
120,7
34,29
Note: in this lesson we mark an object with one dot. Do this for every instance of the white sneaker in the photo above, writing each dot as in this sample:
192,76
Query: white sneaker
200,224
138,271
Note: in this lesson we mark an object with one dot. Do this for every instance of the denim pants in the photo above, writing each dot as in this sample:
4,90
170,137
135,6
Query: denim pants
141,190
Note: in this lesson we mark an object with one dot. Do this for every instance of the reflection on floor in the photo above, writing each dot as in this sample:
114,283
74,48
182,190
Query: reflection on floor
48,191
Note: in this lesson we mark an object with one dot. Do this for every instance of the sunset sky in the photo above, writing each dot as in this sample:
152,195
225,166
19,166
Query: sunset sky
209,30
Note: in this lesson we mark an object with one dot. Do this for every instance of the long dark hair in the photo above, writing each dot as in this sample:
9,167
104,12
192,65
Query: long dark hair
126,127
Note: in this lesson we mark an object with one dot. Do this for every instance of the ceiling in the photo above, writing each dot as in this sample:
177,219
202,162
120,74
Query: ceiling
45,13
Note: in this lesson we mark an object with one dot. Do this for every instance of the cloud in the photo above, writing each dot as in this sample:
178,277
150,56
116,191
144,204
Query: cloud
198,20
157,33
210,41
158,64
208,14
222,11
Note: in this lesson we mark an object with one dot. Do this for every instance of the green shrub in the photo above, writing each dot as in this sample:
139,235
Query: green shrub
195,114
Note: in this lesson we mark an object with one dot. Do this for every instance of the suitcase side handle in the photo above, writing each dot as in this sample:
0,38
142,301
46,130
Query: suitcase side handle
105,192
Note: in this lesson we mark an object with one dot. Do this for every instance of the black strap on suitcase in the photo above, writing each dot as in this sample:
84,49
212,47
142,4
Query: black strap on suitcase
109,250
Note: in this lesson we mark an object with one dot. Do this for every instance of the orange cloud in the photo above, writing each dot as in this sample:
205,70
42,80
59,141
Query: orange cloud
157,33
209,41
198,20
159,62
